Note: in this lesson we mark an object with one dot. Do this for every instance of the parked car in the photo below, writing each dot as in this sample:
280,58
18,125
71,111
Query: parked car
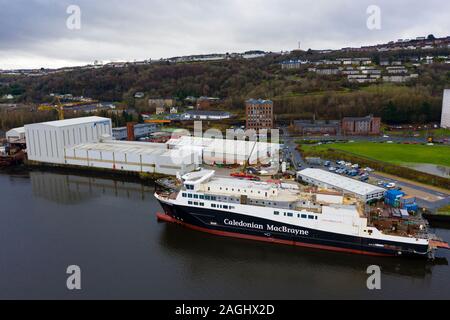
327,163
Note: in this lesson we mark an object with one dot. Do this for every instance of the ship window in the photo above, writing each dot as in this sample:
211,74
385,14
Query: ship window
311,217
213,205
290,214
195,196
202,204
317,218
225,207
277,213
184,195
207,198
189,195
190,202
195,203
304,216
202,197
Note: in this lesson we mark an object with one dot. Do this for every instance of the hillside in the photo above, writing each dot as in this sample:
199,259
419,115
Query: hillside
297,93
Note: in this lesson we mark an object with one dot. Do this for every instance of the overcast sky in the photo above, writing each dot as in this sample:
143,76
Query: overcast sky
33,33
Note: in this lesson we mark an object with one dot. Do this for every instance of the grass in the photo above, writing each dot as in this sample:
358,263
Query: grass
398,154
444,211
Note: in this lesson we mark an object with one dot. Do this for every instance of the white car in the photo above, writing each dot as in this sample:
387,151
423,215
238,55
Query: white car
391,185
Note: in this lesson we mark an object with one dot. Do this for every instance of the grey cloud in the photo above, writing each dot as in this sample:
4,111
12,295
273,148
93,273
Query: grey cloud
138,29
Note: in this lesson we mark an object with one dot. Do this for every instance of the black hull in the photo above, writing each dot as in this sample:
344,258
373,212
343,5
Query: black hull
253,228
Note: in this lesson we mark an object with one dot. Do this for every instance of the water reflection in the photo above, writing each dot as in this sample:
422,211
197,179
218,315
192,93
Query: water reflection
437,170
70,189
198,248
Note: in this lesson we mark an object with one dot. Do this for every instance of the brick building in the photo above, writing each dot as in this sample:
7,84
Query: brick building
259,114
308,127
361,126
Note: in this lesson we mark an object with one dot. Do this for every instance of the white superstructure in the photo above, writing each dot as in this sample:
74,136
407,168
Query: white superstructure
128,156
445,121
279,203
325,179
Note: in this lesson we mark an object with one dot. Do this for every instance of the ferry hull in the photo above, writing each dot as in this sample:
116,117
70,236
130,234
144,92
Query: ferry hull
229,224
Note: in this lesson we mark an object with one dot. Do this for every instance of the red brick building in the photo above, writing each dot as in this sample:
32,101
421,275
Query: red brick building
259,114
366,126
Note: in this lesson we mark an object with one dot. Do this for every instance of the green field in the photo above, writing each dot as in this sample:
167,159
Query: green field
393,153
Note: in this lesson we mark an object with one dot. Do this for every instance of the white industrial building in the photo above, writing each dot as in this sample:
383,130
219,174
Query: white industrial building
227,151
132,157
88,142
16,134
325,179
46,141
445,122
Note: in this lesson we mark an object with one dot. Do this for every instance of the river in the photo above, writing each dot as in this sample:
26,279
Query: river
108,228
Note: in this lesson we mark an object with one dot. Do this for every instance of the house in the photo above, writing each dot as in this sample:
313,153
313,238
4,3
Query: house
173,110
161,102
160,110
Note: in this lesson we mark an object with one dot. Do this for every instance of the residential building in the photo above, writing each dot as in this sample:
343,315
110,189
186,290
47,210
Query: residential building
292,64
166,103
361,126
445,122
206,102
259,114
160,110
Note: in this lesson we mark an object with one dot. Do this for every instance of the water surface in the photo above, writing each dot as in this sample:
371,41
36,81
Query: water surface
50,221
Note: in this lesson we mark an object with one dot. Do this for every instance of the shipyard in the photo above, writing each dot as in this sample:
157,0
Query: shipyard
224,151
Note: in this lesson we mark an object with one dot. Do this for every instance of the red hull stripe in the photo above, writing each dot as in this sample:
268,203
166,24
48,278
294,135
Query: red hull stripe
166,218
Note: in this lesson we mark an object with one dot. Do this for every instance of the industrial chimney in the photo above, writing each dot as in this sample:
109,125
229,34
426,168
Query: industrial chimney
130,131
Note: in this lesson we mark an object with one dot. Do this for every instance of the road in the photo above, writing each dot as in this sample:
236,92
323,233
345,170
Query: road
296,158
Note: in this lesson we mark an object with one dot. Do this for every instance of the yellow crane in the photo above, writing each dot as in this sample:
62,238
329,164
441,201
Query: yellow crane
55,105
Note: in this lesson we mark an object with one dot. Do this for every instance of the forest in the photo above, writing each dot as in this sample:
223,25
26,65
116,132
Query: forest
296,94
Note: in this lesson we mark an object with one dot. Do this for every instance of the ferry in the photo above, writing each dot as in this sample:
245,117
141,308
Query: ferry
292,214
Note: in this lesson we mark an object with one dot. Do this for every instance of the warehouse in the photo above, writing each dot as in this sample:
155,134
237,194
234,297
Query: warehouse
227,151
132,157
47,141
325,179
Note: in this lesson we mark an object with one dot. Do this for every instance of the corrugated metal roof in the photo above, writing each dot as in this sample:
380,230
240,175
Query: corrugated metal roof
72,122
341,182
